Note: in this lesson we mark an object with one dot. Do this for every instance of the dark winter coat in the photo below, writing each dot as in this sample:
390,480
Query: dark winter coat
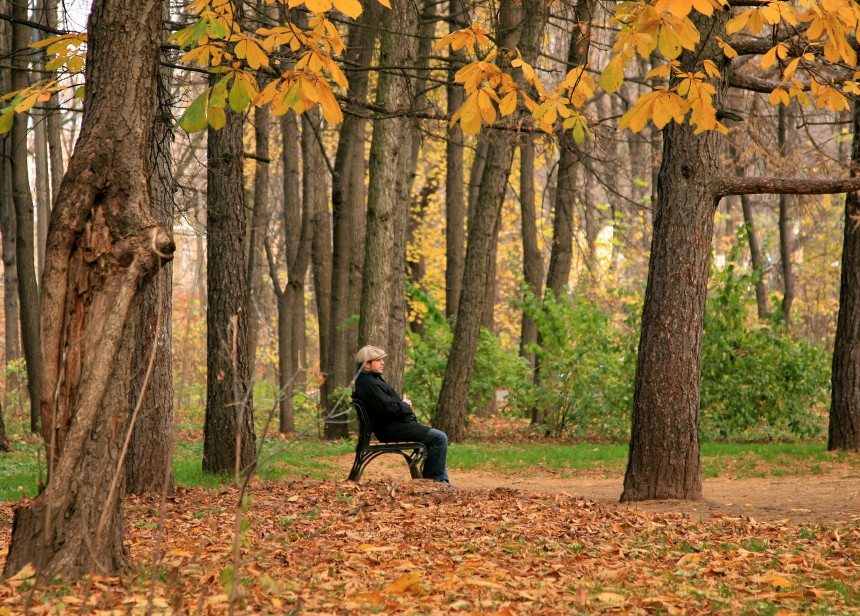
391,419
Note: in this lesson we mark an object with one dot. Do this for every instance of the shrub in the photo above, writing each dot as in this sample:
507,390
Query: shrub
586,362
496,368
758,382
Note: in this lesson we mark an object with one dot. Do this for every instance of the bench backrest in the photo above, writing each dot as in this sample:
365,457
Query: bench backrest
364,431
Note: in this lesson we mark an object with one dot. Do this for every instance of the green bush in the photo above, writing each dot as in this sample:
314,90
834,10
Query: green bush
758,382
586,362
496,368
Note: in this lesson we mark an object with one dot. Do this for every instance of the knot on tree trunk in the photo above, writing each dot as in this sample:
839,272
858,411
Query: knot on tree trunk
154,248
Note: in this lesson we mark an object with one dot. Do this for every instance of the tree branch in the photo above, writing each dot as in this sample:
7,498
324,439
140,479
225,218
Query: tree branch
736,185
32,24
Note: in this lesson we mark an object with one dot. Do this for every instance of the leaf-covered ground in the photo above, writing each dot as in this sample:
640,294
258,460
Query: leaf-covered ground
415,548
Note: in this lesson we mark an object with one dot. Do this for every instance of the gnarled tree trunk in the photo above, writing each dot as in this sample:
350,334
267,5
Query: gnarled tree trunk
103,244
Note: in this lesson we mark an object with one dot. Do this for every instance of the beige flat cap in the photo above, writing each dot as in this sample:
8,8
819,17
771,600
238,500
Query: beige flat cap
369,353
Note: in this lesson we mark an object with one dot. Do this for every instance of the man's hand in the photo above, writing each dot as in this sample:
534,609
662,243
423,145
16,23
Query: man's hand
407,401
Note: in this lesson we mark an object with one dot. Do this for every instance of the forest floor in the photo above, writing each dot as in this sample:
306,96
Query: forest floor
510,544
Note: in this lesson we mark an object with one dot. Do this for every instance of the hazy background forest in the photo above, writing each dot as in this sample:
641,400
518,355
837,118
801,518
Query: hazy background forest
769,329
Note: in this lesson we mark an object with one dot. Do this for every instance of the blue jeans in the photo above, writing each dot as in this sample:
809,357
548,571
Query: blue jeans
437,453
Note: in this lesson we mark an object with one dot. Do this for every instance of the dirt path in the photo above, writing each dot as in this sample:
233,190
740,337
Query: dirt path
827,497
830,497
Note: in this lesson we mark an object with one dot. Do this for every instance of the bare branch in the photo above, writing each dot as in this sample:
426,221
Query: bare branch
736,185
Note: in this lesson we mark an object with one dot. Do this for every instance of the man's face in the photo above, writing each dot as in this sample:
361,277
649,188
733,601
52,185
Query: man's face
375,365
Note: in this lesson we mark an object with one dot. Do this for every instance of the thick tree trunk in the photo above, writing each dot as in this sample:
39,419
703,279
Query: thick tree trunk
229,439
28,288
103,244
520,26
664,459
348,220
455,204
532,259
149,466
390,146
844,428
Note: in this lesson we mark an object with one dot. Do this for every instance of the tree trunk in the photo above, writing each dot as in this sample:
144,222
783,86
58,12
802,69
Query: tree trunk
28,288
664,459
297,230
532,260
102,245
315,202
455,205
755,256
520,26
844,428
11,309
785,233
348,221
229,439
149,466
4,442
390,145
259,219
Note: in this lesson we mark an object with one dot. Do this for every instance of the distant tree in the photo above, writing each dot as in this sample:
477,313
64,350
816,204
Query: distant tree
521,25
25,250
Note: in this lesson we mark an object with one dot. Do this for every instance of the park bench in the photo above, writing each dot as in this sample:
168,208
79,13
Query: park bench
367,451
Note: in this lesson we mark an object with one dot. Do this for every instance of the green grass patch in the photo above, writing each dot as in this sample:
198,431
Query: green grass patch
308,458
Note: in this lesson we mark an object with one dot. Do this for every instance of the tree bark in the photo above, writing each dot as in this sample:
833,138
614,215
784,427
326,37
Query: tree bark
314,199
664,458
4,442
149,465
520,26
532,259
785,233
455,205
257,232
11,310
28,288
103,244
228,433
844,427
390,146
348,221
561,251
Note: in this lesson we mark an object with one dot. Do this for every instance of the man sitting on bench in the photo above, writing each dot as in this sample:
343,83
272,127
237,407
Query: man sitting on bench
391,416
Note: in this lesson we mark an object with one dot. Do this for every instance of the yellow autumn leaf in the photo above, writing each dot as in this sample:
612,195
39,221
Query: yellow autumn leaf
611,597
330,109
508,104
778,97
485,105
402,584
728,50
613,75
779,581
385,3
351,8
